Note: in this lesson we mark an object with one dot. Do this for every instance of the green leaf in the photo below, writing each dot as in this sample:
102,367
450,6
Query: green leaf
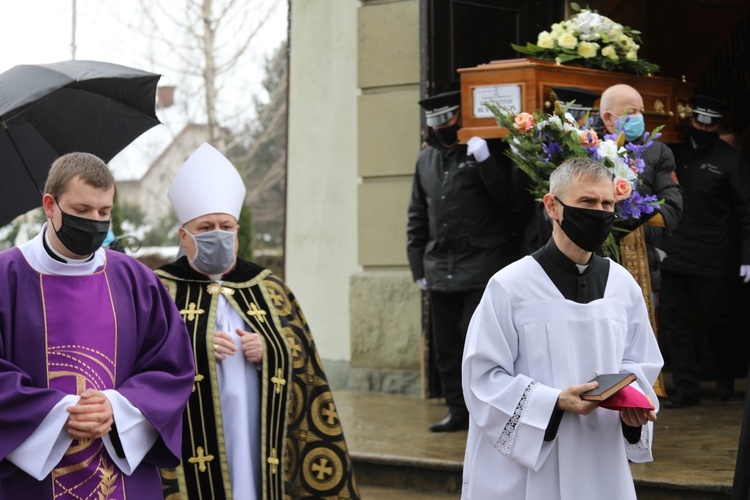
575,6
530,49
657,130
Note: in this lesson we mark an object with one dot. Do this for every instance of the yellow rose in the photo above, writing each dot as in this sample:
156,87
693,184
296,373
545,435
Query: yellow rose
567,41
632,55
587,50
610,52
545,40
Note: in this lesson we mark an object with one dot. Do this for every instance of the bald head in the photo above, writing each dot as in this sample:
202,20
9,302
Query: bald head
617,101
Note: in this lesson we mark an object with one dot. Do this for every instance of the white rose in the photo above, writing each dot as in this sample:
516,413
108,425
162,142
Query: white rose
567,41
631,55
624,41
615,30
587,50
610,52
545,40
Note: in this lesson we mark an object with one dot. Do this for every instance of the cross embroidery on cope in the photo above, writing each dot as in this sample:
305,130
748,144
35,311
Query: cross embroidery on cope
200,459
192,311
322,469
278,380
273,460
259,314
277,299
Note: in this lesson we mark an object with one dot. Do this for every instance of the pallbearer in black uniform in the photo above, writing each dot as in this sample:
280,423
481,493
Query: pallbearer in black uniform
698,265
261,422
459,235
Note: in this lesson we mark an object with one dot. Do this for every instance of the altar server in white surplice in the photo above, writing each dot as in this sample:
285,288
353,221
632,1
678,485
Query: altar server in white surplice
545,325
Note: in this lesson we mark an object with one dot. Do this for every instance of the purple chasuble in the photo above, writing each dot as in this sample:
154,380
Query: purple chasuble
81,354
117,328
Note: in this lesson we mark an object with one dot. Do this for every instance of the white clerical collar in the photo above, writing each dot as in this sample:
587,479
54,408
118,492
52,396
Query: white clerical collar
582,268
38,258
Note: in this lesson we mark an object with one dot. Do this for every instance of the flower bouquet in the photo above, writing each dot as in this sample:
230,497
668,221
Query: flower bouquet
538,143
590,40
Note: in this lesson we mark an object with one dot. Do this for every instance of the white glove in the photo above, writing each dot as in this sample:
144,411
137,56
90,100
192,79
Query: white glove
745,272
422,283
477,147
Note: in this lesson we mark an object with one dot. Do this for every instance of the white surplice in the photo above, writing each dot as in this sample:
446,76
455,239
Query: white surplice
526,343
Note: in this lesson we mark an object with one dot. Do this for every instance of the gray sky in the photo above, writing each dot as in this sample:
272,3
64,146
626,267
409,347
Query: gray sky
40,31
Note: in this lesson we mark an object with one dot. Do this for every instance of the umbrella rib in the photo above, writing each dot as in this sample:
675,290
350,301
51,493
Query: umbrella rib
4,126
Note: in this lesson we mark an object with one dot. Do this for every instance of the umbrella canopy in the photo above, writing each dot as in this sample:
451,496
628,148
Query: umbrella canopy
48,110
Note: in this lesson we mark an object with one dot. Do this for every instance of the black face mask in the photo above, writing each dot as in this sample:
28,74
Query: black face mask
585,227
447,136
81,236
702,138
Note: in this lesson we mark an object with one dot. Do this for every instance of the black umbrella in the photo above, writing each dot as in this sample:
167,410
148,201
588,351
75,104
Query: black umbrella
48,110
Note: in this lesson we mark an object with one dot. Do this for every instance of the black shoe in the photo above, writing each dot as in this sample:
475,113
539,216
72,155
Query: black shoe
723,392
451,423
683,400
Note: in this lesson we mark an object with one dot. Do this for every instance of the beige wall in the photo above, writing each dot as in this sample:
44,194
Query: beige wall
385,304
353,138
321,245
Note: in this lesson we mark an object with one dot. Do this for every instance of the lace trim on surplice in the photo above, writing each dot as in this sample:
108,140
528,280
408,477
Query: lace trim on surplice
507,440
643,444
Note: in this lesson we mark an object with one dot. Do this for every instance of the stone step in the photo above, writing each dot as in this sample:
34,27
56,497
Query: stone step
396,456
428,477
384,493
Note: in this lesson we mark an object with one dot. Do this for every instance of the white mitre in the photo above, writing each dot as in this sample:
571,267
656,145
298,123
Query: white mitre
207,183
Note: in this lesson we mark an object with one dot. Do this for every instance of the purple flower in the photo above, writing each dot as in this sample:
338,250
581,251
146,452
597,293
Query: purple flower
636,148
637,205
551,149
640,164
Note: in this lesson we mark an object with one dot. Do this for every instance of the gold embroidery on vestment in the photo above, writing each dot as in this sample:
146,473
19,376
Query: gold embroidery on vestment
278,380
273,460
192,311
259,314
200,459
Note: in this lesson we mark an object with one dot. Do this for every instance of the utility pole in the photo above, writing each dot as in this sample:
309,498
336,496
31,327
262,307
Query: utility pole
73,33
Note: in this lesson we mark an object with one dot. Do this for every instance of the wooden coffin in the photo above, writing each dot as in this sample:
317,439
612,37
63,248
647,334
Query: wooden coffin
527,84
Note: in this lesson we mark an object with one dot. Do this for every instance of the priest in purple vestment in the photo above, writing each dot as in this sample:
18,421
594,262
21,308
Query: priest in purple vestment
95,360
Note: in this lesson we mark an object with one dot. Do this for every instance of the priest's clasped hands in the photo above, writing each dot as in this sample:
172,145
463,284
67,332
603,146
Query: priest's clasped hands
252,345
91,417
570,400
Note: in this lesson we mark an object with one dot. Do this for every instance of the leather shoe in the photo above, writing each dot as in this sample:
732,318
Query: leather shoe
451,423
682,400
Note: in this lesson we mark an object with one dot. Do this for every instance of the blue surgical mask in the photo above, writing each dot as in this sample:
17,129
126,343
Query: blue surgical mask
215,251
633,126
109,239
